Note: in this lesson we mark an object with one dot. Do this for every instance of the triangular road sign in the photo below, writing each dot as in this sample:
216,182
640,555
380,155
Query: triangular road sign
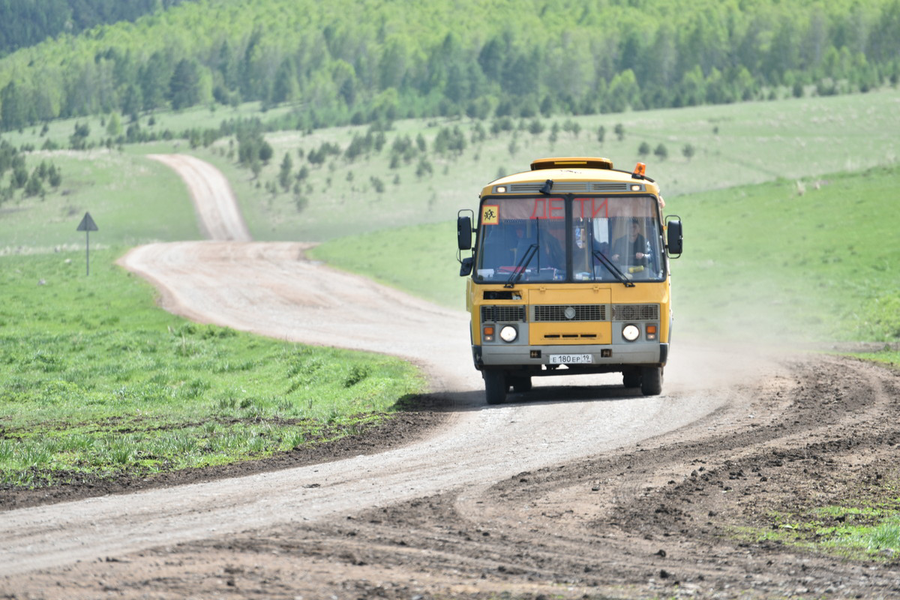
87,223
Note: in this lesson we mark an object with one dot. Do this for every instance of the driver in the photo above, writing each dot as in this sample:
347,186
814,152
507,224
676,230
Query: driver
631,248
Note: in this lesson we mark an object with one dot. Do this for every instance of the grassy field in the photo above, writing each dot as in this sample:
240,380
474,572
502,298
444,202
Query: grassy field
98,382
132,199
821,265
734,145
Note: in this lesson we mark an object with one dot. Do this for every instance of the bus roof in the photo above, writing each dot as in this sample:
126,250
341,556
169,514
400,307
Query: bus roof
571,162
574,169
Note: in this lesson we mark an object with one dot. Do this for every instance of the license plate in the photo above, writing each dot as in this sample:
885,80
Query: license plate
571,359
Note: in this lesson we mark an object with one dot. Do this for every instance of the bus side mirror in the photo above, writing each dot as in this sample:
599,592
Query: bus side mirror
675,236
464,233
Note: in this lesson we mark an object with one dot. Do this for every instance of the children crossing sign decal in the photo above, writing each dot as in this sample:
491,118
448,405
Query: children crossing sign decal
490,214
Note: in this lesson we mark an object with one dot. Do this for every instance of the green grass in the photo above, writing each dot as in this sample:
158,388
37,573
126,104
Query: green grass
419,259
760,263
132,199
884,536
98,382
863,528
820,266
887,356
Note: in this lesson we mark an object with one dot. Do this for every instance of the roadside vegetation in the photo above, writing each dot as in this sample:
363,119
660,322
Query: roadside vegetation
100,383
864,527
132,199
806,260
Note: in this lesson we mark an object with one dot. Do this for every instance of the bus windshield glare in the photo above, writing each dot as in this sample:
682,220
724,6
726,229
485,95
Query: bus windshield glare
563,239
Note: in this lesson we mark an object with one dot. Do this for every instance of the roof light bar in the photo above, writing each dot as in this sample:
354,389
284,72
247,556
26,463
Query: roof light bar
572,162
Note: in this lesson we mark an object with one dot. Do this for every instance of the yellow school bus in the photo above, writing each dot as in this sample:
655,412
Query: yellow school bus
568,273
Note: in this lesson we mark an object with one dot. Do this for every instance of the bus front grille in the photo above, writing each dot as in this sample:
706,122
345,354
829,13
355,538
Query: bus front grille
502,314
570,312
635,312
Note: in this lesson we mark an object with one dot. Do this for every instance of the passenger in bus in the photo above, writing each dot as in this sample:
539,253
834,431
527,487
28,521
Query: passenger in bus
631,249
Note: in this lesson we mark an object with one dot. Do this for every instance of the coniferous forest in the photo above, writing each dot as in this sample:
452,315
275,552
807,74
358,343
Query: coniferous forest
360,61
25,23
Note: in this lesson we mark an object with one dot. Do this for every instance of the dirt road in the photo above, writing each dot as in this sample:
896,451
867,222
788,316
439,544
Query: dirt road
217,210
567,491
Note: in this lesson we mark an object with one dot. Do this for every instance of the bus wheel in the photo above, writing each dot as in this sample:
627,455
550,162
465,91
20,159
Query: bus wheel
631,378
495,386
521,384
651,381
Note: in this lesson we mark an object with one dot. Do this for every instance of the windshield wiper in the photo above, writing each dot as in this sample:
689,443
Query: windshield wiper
520,268
613,268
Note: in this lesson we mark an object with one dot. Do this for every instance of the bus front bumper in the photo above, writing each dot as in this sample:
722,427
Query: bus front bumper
600,358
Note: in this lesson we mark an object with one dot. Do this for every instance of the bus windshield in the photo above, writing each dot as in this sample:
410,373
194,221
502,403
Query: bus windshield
547,239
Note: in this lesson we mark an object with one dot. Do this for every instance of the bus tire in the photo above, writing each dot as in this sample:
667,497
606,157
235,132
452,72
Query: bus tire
521,384
631,378
495,386
651,381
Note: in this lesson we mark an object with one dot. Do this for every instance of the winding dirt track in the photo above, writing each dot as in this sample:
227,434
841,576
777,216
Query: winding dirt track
217,211
280,534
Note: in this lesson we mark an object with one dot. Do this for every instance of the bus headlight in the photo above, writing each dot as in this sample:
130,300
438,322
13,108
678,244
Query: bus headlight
508,333
631,332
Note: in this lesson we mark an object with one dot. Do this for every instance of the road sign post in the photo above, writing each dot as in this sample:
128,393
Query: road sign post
87,226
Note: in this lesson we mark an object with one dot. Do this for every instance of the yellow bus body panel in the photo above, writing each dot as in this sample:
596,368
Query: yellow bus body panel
569,294
588,332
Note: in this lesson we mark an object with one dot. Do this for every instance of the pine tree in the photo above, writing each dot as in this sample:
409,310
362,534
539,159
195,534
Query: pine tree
34,186
114,126
54,176
688,151
13,108
284,174
184,86
265,152
661,152
154,81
